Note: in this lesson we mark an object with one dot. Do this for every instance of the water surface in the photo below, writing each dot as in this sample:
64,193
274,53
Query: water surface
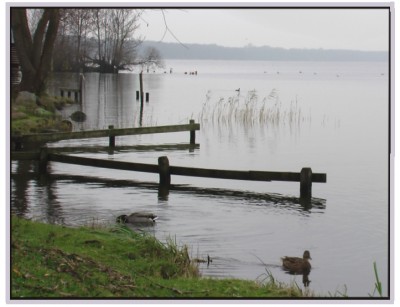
338,126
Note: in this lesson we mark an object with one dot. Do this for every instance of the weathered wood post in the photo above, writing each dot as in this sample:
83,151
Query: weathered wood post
17,140
192,133
305,183
111,138
43,160
141,88
81,85
163,169
141,98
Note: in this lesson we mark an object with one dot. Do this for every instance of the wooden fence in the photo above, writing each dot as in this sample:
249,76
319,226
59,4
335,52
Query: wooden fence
305,176
111,133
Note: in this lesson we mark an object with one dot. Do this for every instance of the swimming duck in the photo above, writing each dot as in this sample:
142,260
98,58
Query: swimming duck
137,218
296,265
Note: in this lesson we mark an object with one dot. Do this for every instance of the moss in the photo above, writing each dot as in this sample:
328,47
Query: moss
53,103
36,117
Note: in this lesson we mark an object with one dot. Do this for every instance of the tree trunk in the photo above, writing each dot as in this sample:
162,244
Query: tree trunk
35,54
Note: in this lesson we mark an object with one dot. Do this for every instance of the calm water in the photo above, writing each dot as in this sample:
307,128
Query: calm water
333,117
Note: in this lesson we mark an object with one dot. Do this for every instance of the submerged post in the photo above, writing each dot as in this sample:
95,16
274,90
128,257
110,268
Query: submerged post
111,138
81,85
305,183
192,133
43,160
164,171
141,88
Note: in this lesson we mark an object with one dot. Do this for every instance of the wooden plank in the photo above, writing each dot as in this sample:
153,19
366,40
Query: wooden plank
184,171
96,149
121,165
235,175
27,155
69,89
318,177
52,137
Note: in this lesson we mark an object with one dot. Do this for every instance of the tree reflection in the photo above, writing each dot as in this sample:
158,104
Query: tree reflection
34,195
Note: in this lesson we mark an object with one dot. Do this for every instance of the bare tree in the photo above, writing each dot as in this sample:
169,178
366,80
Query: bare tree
104,37
150,59
78,23
35,50
114,31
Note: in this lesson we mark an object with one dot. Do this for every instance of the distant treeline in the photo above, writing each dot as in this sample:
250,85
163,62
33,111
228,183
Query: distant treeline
266,53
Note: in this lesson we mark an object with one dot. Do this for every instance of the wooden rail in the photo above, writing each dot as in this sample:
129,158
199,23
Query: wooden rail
305,177
72,91
242,175
111,133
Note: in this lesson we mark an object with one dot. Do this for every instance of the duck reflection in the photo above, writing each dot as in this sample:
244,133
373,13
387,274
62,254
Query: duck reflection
298,266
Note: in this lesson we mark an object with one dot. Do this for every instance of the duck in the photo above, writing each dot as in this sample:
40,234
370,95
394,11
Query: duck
138,218
296,265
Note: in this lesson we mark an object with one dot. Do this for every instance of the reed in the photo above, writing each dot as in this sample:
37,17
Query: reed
291,290
378,284
250,110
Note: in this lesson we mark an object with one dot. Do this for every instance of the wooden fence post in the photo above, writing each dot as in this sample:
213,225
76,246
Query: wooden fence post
81,84
164,171
163,192
141,88
43,160
305,183
111,138
192,133
17,140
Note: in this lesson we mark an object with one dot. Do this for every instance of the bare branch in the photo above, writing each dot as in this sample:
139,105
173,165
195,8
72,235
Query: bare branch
167,29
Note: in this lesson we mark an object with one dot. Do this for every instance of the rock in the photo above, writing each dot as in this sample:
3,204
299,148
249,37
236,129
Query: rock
78,116
66,125
18,115
26,98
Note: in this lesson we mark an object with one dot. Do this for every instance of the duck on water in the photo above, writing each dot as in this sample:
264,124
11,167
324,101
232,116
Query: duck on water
300,266
297,265
146,218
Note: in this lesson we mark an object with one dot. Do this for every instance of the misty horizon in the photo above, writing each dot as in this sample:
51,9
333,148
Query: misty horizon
181,50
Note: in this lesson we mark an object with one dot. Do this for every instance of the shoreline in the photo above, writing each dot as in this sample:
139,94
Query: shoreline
51,261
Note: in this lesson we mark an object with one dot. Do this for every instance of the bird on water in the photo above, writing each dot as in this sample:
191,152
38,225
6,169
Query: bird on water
137,218
297,265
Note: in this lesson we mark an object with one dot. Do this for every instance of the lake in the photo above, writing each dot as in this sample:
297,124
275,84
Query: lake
254,115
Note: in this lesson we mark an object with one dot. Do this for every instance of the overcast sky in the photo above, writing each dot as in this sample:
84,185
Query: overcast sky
356,29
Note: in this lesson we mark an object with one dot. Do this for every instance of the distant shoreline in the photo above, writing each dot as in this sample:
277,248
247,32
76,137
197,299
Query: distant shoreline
175,51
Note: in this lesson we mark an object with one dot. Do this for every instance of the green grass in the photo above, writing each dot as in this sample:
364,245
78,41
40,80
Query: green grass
378,284
30,117
49,261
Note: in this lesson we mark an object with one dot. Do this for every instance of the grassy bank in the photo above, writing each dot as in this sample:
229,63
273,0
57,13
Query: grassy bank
49,261
38,115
